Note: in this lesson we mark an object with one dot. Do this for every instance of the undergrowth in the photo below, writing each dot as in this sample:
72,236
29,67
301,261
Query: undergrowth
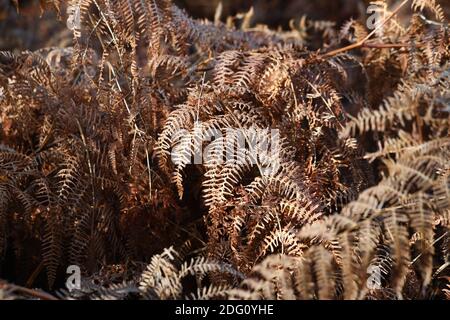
362,182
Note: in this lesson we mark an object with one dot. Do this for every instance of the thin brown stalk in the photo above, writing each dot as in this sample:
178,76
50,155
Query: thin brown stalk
363,42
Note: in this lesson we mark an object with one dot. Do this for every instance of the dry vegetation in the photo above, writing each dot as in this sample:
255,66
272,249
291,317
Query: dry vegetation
88,124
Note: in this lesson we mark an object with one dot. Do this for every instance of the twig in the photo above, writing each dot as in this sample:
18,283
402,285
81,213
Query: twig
35,273
387,45
34,293
29,292
363,42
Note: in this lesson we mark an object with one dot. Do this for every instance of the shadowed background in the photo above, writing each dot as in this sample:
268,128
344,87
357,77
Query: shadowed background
30,31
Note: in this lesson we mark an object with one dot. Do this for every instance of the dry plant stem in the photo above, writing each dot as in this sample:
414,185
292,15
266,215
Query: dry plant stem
362,43
35,273
388,45
32,293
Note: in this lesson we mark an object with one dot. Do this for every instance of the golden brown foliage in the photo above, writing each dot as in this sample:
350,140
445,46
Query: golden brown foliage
362,174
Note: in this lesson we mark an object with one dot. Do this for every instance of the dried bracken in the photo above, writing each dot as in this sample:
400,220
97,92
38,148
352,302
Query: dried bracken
102,163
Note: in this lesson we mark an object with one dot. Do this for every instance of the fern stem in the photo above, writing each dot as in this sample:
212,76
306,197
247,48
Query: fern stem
362,43
388,45
31,292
